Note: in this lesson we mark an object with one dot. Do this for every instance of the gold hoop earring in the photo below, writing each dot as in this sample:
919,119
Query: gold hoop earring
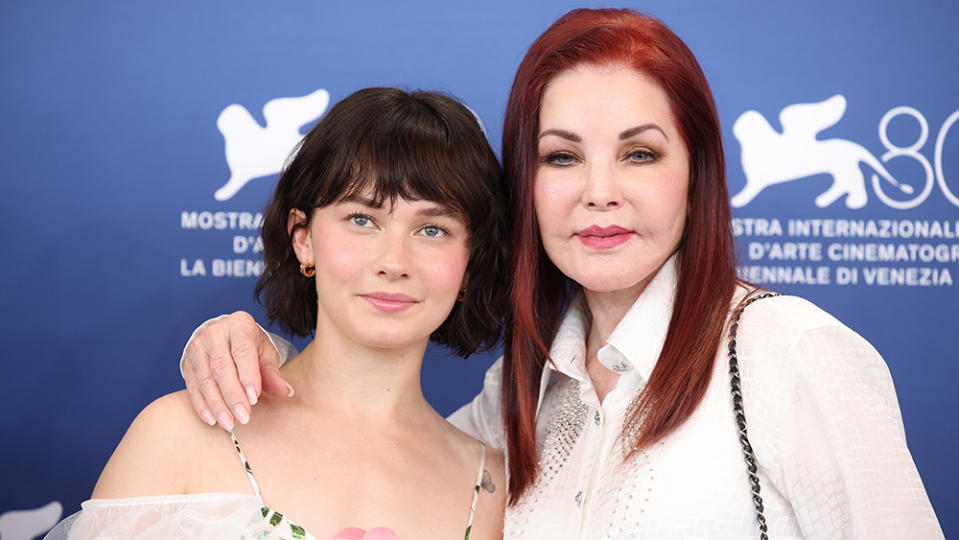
461,294
307,271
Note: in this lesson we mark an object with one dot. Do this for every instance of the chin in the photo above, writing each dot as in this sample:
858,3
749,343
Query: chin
388,342
606,281
379,335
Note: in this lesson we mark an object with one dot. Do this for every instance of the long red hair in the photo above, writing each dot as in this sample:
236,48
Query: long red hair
706,257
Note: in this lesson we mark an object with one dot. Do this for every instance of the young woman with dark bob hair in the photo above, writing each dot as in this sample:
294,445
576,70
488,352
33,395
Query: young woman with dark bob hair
637,397
385,231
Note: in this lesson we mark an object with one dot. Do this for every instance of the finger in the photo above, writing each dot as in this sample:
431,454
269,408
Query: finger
208,388
198,375
245,346
196,398
223,371
273,383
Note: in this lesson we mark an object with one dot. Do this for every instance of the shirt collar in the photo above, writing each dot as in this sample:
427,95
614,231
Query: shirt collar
635,343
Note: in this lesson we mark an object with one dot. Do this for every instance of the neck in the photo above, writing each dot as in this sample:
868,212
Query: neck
606,310
359,382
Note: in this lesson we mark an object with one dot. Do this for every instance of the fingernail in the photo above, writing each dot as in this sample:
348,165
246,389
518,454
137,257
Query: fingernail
251,394
208,417
289,390
241,414
226,421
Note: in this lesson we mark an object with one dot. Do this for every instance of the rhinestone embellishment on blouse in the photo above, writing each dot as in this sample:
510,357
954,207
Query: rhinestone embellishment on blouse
563,430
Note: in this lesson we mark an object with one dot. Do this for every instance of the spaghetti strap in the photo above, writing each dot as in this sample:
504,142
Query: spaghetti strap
256,488
249,472
476,488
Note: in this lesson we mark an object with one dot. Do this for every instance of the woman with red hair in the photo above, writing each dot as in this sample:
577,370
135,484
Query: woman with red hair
629,367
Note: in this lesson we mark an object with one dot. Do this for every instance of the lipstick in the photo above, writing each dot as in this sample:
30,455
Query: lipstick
390,302
602,238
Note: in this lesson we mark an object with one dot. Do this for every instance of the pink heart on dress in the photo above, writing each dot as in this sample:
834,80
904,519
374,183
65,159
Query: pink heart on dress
376,533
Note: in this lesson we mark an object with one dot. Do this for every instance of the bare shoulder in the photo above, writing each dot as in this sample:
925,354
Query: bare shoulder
491,503
491,497
496,467
155,454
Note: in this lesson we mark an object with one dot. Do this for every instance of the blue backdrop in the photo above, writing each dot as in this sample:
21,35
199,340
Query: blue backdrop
116,245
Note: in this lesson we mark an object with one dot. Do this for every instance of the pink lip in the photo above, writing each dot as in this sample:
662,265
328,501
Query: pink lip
597,237
390,302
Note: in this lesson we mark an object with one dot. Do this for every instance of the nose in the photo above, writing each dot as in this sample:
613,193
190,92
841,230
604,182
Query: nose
601,190
393,260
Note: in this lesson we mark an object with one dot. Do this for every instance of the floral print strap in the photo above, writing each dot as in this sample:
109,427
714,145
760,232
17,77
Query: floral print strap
246,466
476,489
298,532
274,518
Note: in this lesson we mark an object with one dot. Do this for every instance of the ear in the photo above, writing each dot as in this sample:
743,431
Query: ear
298,227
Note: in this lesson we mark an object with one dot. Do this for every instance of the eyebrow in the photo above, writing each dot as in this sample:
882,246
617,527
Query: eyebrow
431,211
439,211
570,136
639,129
359,199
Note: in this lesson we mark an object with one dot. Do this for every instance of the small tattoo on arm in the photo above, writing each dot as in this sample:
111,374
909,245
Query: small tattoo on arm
487,482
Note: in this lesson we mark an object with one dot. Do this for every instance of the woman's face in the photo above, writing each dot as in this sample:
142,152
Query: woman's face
612,177
386,277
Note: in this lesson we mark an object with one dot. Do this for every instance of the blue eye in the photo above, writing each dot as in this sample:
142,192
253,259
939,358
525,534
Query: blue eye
434,231
641,156
560,158
360,220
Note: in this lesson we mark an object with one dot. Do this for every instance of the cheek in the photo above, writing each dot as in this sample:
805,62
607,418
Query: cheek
337,256
553,200
443,269
673,197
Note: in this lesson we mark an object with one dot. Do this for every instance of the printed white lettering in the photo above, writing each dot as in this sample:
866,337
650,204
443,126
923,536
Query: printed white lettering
756,227
236,268
196,269
206,220
846,275
912,277
869,228
942,253
806,275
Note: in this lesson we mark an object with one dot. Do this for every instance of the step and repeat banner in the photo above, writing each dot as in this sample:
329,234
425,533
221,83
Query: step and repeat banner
140,141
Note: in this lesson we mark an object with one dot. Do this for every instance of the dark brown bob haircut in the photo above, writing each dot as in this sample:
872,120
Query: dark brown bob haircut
389,144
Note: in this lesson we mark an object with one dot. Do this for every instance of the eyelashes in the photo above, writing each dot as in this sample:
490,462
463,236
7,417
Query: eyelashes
429,230
642,155
634,155
434,231
361,220
561,159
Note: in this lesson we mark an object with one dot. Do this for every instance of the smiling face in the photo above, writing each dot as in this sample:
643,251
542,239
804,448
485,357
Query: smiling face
386,277
612,178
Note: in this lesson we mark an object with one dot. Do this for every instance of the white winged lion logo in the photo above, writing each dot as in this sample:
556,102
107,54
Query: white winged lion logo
254,151
29,524
770,157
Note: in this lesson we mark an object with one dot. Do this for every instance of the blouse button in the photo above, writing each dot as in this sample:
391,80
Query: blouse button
597,418
621,367
579,498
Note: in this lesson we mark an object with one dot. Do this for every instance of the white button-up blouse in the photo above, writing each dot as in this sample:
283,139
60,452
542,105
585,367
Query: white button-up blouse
823,421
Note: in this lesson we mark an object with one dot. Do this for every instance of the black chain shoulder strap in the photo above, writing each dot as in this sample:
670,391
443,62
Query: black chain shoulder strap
735,385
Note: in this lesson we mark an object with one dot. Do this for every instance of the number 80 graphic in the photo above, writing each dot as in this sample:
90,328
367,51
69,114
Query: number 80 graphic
912,151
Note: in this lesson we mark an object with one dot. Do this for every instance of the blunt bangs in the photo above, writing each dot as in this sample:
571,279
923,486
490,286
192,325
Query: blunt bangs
409,152
378,145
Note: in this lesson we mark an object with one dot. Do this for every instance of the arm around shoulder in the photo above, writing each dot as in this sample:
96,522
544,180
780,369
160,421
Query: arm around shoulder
482,418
